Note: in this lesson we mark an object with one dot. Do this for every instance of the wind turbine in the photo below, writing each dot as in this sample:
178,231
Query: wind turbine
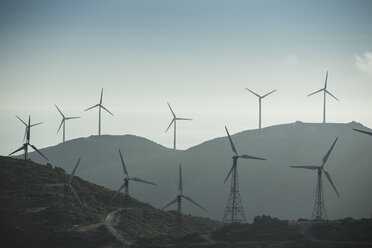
28,135
174,120
361,131
234,204
319,210
126,180
259,104
67,185
99,105
325,92
178,199
32,125
63,122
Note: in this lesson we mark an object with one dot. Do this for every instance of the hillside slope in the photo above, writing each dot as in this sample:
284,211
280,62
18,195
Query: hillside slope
33,213
268,187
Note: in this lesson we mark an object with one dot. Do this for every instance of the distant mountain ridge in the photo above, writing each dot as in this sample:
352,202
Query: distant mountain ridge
266,187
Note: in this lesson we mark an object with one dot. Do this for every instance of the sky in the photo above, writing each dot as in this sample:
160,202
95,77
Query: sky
197,55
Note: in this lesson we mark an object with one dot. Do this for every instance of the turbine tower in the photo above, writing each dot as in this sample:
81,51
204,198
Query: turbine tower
27,136
319,211
126,180
63,122
67,185
259,104
361,131
174,120
234,211
179,198
325,92
100,106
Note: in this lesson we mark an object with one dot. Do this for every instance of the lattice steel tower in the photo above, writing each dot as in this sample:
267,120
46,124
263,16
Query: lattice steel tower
319,210
234,211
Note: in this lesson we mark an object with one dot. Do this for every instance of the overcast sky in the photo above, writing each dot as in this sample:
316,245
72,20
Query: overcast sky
197,55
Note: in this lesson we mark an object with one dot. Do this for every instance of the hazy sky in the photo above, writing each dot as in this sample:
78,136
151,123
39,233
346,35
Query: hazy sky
197,55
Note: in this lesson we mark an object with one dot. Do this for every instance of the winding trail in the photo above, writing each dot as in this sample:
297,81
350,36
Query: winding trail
113,231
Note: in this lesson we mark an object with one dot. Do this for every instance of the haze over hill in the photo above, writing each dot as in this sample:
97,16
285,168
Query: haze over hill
267,187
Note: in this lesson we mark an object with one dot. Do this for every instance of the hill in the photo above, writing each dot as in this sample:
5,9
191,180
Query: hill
32,212
268,187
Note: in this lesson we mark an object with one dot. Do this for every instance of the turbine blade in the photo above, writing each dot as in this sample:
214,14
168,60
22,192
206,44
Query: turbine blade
253,93
70,118
332,95
251,157
184,119
118,191
76,196
315,92
174,115
329,152
24,137
73,172
180,180
307,167
170,124
193,202
361,131
107,110
100,101
21,120
57,185
92,107
33,147
19,149
268,93
122,162
59,111
63,120
141,180
36,124
231,142
228,175
326,79
330,180
175,200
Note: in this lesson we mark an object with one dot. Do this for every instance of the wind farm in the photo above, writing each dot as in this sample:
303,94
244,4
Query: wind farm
188,160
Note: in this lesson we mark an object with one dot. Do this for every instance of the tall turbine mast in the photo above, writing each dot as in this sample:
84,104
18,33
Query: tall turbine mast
234,211
259,104
319,211
100,106
178,200
63,122
27,138
174,121
325,92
